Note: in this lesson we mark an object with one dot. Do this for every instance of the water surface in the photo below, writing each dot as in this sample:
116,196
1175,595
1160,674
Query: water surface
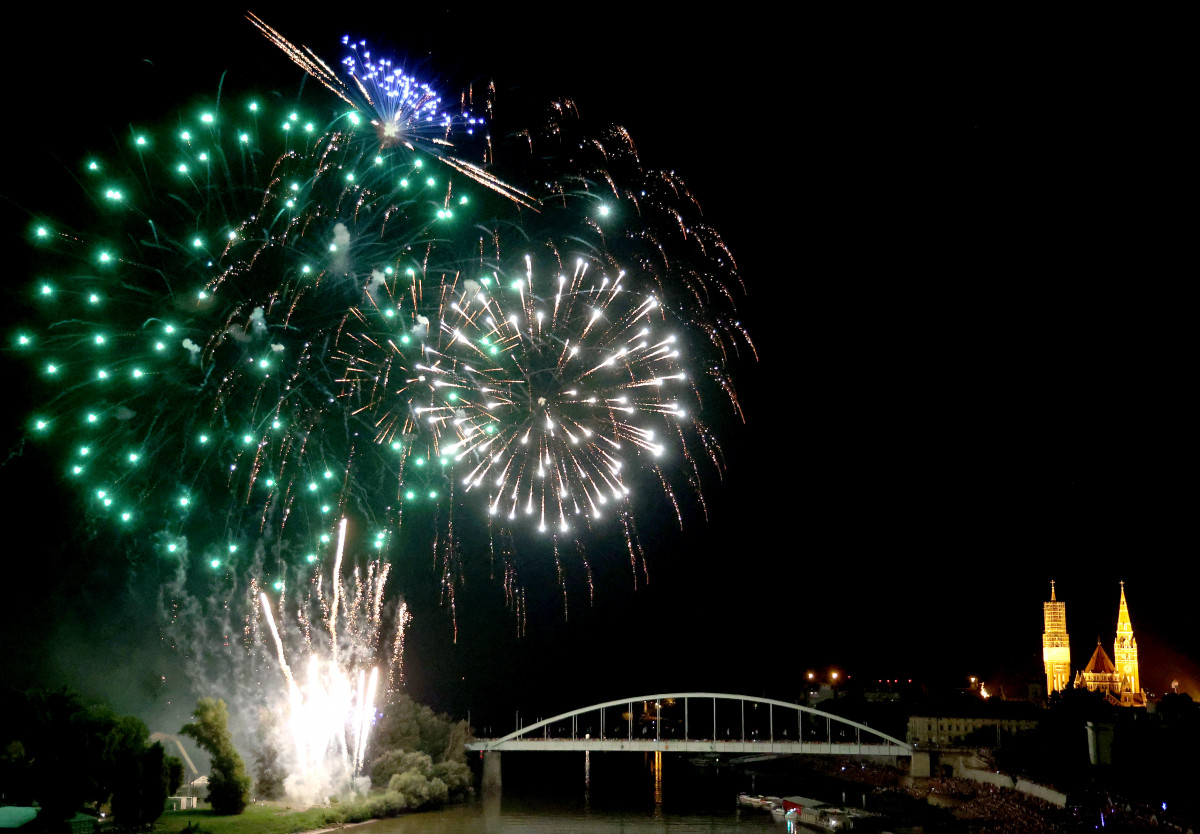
601,793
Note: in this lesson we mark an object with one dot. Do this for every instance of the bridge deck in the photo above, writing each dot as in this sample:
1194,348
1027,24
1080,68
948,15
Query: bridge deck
651,712
811,748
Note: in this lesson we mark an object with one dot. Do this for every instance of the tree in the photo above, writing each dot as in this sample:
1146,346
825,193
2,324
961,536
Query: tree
457,739
268,774
426,749
45,735
406,725
137,773
418,789
57,733
140,787
175,772
155,782
228,783
268,777
395,762
456,776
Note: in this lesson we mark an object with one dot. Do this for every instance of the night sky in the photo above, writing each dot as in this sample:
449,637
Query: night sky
972,375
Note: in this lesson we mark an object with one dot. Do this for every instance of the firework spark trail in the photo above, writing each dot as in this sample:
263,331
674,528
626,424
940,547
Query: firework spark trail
549,437
331,712
633,545
283,664
304,58
396,658
402,108
306,319
365,714
562,580
277,458
592,475
331,623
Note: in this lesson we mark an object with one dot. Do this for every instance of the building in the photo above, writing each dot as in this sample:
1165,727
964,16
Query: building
1118,678
1125,654
1099,674
981,726
1056,645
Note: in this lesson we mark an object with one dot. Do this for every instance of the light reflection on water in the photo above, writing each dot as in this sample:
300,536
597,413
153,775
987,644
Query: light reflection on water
491,815
630,794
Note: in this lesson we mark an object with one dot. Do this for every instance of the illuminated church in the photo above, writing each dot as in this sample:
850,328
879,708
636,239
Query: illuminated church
1056,645
1117,678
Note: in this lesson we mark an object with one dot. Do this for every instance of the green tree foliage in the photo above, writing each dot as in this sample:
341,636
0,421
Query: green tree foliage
140,788
456,744
415,782
395,762
48,735
175,773
268,774
156,783
418,789
35,731
420,755
228,783
407,725
457,778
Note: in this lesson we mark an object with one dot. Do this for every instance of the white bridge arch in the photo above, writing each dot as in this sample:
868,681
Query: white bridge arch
815,732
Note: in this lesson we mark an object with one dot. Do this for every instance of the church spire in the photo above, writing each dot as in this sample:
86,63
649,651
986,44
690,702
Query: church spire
1124,626
1117,678
1052,590
1125,654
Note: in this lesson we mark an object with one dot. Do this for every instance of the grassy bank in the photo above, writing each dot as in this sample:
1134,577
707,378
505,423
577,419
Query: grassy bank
261,818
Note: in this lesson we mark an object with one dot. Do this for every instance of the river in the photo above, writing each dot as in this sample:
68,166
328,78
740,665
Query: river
606,793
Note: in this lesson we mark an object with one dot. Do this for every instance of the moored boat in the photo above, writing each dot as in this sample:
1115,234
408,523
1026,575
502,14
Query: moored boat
757,800
813,813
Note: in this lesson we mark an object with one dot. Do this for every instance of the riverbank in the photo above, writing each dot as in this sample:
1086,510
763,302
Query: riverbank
261,818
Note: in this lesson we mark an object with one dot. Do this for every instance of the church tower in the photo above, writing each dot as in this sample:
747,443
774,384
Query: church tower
1125,656
1056,646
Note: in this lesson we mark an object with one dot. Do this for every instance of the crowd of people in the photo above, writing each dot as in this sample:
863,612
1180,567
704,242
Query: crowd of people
1001,810
989,809
862,773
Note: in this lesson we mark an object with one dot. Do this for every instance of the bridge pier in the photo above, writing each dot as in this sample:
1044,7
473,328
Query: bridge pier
491,771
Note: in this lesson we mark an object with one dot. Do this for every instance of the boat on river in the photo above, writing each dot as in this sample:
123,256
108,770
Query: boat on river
812,812
757,800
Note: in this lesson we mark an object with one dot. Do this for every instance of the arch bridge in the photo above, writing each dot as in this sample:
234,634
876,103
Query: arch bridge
690,722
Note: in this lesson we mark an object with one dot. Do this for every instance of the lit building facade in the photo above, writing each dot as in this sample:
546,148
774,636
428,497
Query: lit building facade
958,728
1099,675
1125,655
1056,645
1118,678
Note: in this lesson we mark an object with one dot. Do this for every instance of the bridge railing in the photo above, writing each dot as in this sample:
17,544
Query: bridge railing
701,716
